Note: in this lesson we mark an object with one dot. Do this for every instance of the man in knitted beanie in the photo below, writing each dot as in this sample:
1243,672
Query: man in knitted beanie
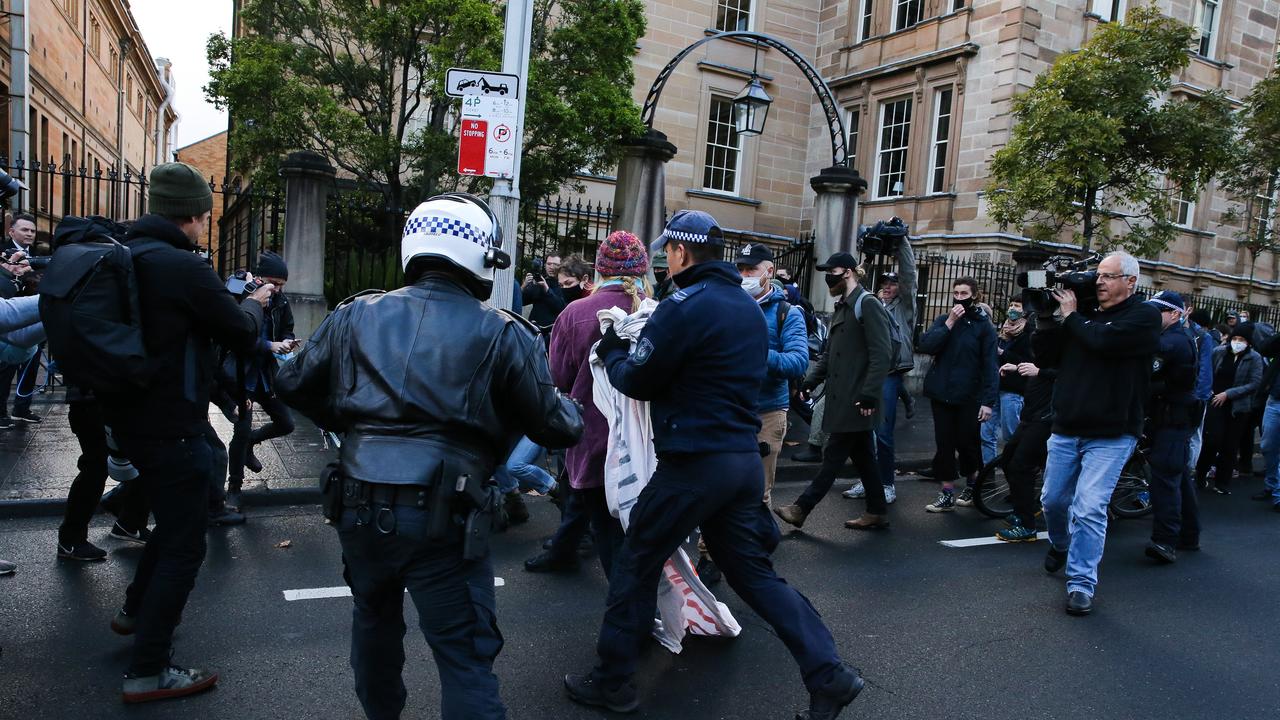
163,426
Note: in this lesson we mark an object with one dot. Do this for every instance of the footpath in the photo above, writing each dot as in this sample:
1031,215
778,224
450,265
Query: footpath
38,462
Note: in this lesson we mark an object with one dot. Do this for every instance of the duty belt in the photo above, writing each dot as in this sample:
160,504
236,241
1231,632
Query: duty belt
356,493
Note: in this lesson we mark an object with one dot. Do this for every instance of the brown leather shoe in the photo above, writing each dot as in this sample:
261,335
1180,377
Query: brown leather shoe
792,514
868,522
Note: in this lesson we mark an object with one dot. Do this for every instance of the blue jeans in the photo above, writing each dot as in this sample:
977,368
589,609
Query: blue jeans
1271,447
1004,420
1079,477
884,434
521,472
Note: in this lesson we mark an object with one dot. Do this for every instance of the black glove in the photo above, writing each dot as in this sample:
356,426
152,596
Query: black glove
610,342
866,403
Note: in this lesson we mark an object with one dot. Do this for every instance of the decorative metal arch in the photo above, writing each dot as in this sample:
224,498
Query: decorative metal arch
835,125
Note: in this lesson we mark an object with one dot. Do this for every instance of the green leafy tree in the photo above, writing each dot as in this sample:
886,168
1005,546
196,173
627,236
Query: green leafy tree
1097,143
362,83
1253,176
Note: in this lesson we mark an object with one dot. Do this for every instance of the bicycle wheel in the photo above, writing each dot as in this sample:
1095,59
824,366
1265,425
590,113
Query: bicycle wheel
1132,496
991,490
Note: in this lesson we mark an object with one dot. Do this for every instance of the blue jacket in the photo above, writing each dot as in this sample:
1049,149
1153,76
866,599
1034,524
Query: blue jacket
964,361
788,354
1205,345
699,362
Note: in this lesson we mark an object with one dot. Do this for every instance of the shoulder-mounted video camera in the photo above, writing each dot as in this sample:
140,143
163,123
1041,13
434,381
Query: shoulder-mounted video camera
883,238
1059,272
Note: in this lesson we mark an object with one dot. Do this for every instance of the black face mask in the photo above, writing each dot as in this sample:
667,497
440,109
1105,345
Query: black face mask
572,293
660,275
966,303
833,281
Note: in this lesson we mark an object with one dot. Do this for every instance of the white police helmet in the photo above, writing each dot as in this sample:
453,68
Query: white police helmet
460,229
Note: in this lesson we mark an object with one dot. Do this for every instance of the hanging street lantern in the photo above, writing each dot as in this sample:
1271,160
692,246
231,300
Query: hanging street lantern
750,108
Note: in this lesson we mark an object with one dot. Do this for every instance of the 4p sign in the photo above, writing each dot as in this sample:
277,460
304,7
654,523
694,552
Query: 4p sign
486,144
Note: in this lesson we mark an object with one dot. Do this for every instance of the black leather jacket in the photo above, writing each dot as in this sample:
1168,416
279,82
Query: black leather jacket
423,375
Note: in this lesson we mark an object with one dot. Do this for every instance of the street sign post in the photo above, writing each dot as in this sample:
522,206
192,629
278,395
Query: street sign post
486,145
460,82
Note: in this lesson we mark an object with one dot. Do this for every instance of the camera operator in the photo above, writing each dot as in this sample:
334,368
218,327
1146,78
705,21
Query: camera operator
1173,415
1103,359
541,289
162,428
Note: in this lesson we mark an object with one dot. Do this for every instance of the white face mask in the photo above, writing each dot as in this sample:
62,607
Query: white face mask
753,285
1238,346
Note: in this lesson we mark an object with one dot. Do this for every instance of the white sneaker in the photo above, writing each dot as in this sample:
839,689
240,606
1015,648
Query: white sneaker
857,492
890,494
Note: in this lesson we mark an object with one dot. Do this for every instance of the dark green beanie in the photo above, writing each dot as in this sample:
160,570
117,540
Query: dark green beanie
179,190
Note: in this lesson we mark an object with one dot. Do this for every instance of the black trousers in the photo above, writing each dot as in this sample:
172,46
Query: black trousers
1222,434
217,469
1173,495
456,612
174,473
722,493
246,437
26,374
85,418
860,447
587,509
955,432
1026,453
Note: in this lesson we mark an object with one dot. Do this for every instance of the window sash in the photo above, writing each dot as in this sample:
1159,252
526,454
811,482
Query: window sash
733,15
908,13
1210,11
851,143
1109,10
1184,209
720,167
864,24
943,99
892,146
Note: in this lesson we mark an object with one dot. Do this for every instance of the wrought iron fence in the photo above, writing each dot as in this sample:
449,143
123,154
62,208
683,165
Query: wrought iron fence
244,221
563,227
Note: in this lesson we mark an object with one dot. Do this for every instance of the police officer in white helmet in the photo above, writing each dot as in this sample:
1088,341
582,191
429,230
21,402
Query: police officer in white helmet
430,389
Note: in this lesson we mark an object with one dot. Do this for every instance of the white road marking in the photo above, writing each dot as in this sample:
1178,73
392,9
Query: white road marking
988,540
340,591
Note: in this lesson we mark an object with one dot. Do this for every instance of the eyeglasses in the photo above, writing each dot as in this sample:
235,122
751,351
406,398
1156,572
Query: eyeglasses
1112,276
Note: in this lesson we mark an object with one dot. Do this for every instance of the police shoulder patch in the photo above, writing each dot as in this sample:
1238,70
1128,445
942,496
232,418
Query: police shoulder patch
682,295
643,351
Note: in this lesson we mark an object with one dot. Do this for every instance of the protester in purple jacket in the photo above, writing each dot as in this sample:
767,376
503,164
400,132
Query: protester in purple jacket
621,263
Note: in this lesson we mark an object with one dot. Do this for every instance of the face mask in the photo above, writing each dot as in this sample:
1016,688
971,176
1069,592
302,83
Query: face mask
1015,315
572,293
965,303
835,284
659,275
1238,346
752,285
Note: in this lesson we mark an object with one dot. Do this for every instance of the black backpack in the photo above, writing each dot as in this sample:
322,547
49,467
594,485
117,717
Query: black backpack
90,309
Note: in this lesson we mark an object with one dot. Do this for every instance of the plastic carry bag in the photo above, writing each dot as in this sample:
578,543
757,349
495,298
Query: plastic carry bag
685,605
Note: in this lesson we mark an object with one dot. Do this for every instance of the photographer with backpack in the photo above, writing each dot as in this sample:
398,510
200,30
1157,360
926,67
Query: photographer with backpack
135,323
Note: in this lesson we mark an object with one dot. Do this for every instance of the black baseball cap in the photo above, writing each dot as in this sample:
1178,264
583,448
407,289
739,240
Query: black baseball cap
753,254
839,260
889,277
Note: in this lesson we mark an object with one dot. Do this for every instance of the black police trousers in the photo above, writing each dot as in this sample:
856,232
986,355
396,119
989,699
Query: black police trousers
174,476
383,556
1174,505
723,493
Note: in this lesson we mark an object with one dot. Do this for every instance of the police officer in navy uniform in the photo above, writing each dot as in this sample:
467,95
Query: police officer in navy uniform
700,361
431,390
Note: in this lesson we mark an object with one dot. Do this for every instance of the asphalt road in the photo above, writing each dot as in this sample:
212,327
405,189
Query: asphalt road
939,632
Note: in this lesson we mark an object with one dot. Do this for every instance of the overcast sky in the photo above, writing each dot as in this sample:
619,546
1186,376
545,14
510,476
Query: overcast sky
178,31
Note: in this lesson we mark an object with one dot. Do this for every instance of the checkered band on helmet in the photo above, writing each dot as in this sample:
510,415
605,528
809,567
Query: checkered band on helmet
670,235
437,225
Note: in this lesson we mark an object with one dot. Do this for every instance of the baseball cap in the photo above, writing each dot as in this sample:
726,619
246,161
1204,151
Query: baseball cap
889,277
753,254
839,260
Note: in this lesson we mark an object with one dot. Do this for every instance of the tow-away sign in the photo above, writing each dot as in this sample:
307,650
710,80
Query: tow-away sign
486,143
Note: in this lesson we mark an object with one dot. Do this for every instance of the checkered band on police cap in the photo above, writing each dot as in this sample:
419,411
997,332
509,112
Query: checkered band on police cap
441,225
692,226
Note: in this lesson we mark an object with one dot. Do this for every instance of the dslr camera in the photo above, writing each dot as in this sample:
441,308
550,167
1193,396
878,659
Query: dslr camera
882,238
241,283
1060,272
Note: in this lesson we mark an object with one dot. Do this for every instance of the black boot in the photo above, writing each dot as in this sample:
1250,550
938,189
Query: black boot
513,505
827,703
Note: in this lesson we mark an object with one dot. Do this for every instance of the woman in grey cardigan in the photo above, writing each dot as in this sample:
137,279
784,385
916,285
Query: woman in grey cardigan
1237,373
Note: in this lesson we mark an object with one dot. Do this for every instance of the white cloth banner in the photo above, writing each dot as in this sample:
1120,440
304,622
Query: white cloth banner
685,605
